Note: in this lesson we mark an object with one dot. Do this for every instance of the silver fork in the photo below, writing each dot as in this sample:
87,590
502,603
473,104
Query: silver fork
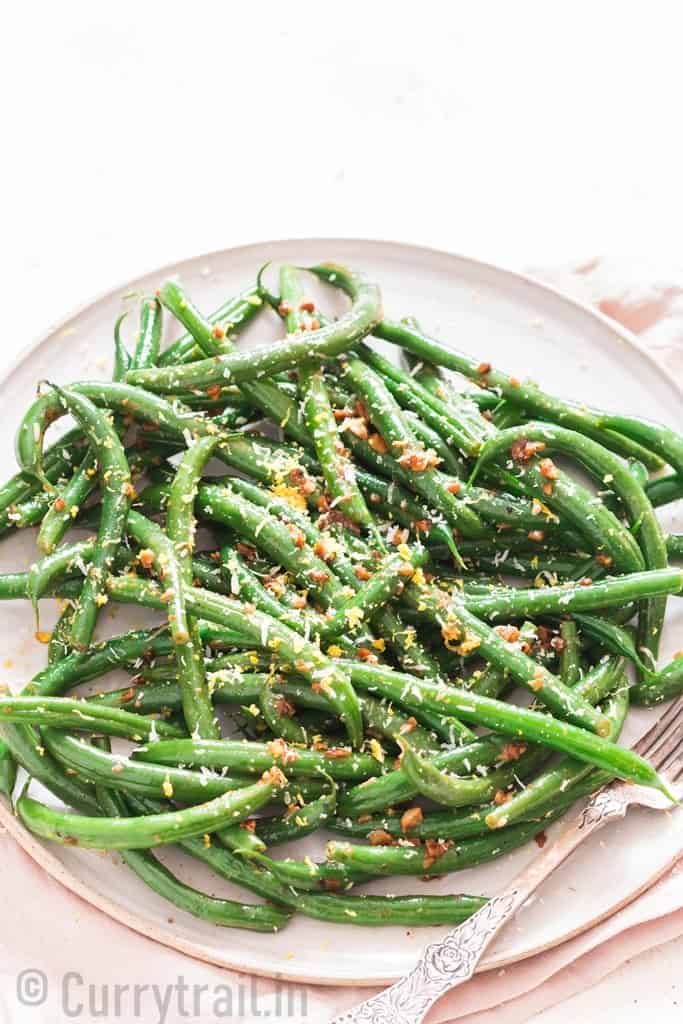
448,963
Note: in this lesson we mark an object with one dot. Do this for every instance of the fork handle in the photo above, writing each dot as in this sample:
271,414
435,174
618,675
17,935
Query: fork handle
445,964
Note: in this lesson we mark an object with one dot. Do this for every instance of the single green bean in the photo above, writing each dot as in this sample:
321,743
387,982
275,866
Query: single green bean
570,653
250,758
150,830
63,713
665,685
148,342
233,316
180,527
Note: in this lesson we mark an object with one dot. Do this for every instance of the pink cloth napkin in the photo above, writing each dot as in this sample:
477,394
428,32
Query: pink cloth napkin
101,953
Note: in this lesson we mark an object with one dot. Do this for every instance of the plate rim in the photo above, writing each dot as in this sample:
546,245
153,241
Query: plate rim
56,869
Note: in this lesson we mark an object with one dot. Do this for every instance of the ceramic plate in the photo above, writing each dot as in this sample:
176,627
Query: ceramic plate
501,317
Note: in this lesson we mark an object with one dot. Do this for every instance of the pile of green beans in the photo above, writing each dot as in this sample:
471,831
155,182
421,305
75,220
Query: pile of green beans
344,654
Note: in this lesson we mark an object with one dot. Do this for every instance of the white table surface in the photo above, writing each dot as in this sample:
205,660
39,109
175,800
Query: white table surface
527,134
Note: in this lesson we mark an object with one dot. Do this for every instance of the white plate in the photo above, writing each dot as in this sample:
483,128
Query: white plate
503,318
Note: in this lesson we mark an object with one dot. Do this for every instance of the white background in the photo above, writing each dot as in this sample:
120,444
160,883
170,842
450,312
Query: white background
528,134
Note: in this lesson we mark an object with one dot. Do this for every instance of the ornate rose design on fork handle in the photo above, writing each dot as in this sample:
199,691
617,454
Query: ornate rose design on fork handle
441,966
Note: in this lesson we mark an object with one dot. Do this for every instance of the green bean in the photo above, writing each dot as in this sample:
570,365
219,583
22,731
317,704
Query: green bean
43,574
280,507
570,653
338,908
226,913
207,573
507,415
228,687
150,830
317,418
120,772
298,821
337,468
455,823
383,718
283,545
465,823
223,505
674,546
615,639
8,770
556,779
466,409
666,684
210,339
411,394
393,427
602,679
79,667
393,498
276,540
249,758
58,461
234,837
413,860
125,400
504,603
148,342
428,780
368,911
512,721
180,527
383,584
283,409
165,561
27,750
665,489
607,469
451,460
260,630
67,504
547,570
28,512
232,316
122,356
278,716
60,712
116,495
237,367
665,442
243,583
461,627
509,510
490,682
306,876
476,759
153,694
531,398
